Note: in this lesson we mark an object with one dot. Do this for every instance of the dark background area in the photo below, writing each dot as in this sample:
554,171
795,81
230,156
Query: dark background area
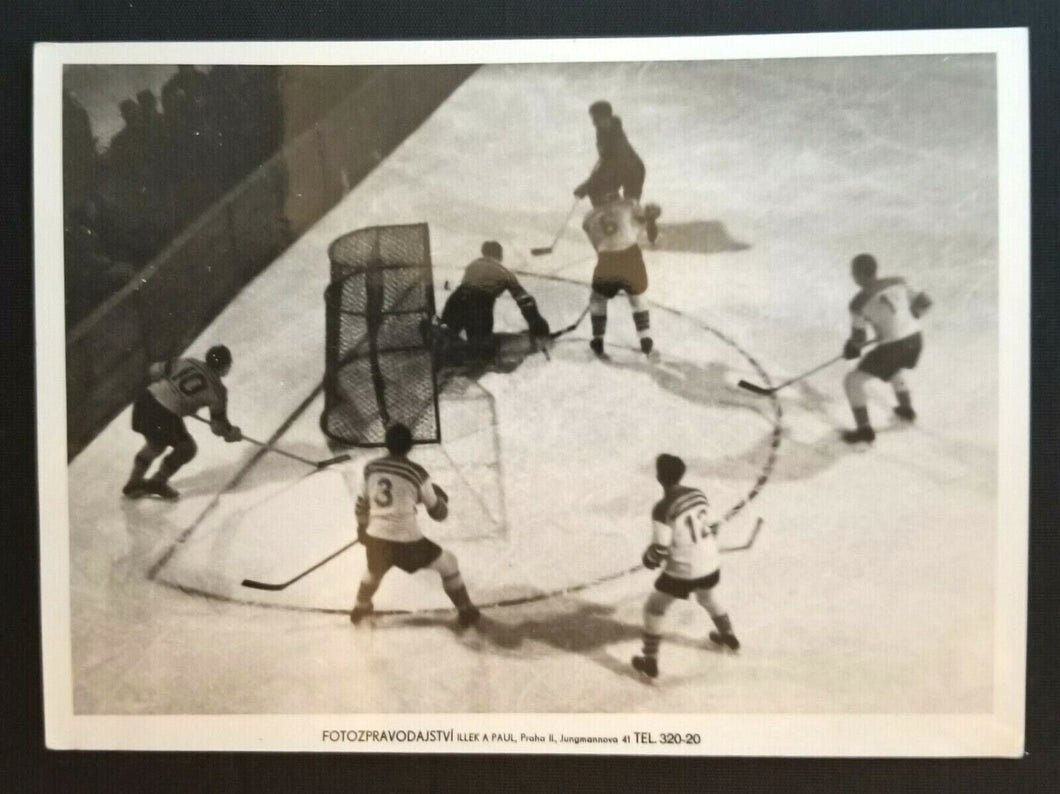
24,763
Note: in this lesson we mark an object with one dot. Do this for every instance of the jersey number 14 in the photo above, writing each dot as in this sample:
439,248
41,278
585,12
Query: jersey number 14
697,524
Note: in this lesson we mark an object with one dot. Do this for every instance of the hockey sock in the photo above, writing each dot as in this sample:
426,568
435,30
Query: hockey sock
905,400
651,645
723,624
453,584
365,592
861,416
599,322
642,320
141,463
168,467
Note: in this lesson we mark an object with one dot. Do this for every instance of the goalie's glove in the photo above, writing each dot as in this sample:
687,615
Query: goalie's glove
538,325
654,556
851,350
921,303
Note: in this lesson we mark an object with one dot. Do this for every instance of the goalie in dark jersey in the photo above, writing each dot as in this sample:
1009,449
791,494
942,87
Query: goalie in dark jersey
469,310
178,388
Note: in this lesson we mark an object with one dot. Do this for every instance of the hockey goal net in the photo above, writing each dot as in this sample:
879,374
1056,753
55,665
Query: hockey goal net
379,366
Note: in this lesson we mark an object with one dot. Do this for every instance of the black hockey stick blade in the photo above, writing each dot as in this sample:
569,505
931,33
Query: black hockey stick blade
541,251
755,389
263,585
331,461
256,585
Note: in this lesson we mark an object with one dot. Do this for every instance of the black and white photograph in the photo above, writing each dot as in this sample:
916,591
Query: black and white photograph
656,396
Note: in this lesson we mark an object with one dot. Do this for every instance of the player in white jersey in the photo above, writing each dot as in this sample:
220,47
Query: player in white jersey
682,541
178,388
391,489
613,227
892,309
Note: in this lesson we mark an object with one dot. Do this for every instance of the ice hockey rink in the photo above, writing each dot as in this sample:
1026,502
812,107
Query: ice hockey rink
869,588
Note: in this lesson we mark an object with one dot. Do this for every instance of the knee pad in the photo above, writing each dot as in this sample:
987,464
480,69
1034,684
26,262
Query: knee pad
657,604
446,565
854,384
597,303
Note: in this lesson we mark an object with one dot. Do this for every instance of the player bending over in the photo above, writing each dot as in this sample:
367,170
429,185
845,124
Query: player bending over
178,388
613,226
470,308
391,488
683,541
892,308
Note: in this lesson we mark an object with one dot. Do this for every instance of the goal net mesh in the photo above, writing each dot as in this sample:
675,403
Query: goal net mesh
379,367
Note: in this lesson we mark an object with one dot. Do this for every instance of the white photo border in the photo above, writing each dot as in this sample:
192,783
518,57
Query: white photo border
999,733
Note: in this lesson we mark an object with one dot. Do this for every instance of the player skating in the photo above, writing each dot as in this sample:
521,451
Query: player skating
391,488
469,310
613,226
178,388
619,168
892,309
683,541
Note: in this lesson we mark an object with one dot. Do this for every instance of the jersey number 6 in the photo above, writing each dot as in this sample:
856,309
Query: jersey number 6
189,381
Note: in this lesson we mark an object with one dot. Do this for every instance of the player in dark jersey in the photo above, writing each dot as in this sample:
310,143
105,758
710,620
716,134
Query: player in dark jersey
619,167
178,388
469,310
390,490
682,541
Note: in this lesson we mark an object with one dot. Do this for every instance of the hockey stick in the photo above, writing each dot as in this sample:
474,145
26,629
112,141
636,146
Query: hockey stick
559,233
303,574
750,541
751,387
319,464
572,326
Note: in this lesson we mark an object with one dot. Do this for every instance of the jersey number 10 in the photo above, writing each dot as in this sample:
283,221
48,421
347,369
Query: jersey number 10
697,524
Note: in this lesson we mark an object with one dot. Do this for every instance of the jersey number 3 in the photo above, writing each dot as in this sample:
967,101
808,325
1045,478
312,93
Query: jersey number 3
697,524
383,496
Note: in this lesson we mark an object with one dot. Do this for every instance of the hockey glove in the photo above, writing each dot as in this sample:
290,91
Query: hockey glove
233,434
921,303
581,191
851,350
654,556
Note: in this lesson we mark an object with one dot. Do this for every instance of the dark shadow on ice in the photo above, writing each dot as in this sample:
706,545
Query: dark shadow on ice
697,237
569,625
705,384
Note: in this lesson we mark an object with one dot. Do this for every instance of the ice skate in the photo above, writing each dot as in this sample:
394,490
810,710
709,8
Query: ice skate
646,665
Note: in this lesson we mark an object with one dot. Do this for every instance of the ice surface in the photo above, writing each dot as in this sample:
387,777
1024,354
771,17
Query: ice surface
870,587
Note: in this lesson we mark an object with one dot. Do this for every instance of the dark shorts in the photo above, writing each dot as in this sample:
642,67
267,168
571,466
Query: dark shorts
160,426
885,360
620,271
471,311
409,557
683,588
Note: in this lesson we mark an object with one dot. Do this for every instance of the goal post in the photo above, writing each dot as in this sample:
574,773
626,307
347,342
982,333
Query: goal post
379,366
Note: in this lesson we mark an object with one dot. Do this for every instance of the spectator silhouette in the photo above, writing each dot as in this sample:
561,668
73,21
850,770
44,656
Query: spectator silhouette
80,159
